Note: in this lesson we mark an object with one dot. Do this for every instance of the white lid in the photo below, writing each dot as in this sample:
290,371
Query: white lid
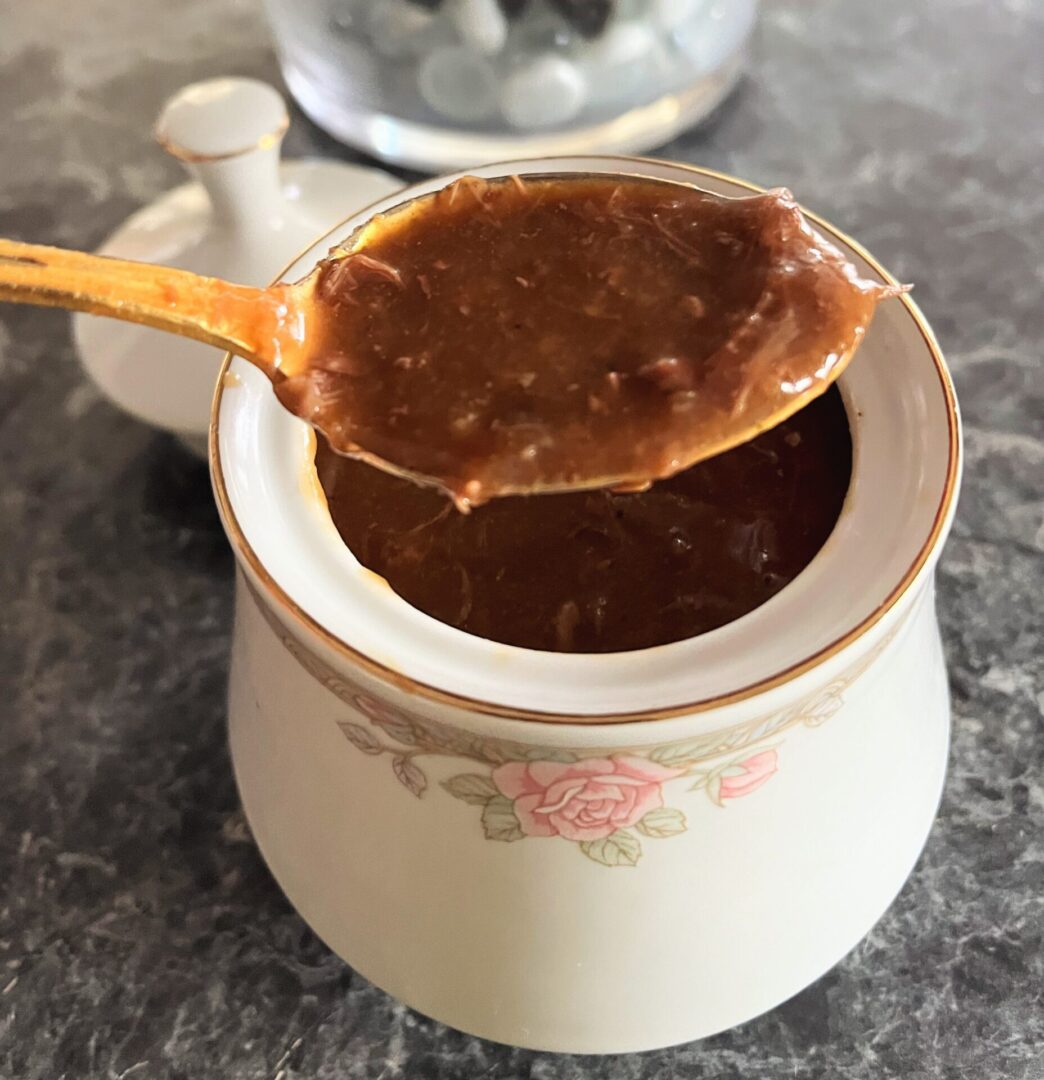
241,220
220,118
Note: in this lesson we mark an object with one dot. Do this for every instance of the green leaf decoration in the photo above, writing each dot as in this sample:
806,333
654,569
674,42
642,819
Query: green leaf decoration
710,782
399,728
682,755
823,707
674,757
499,821
497,752
564,757
361,738
663,822
409,775
621,848
447,740
472,788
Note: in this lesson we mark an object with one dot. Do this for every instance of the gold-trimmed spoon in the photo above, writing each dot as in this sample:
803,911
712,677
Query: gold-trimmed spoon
515,335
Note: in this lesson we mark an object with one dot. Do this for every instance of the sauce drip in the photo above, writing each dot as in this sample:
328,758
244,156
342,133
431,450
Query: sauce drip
556,333
598,571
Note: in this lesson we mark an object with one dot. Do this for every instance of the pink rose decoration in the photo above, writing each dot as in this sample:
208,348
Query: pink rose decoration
586,800
756,770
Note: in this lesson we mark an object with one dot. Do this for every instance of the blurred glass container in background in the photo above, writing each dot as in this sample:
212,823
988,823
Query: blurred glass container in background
442,84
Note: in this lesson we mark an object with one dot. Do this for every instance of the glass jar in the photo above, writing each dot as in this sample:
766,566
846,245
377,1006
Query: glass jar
442,84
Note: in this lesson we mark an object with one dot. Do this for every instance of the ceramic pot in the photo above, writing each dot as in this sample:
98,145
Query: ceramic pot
596,853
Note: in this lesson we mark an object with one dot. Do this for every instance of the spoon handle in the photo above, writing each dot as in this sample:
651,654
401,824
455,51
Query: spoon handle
261,325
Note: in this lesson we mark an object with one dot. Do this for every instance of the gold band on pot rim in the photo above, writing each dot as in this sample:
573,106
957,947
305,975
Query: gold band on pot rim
308,624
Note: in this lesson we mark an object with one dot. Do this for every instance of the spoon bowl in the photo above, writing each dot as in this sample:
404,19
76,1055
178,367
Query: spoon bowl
485,337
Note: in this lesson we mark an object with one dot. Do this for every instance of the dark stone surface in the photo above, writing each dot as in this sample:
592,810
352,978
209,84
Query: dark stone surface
140,934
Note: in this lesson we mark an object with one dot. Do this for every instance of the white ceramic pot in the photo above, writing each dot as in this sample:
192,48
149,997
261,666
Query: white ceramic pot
768,785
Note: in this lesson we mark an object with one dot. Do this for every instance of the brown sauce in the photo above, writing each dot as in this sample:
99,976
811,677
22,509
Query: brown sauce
541,334
601,571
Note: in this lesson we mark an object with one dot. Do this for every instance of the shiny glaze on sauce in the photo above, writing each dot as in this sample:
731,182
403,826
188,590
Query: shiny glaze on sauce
549,333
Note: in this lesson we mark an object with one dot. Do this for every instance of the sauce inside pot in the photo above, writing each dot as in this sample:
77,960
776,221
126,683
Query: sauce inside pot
601,571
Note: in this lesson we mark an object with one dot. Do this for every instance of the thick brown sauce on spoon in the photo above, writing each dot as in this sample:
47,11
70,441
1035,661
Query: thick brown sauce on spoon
555,333
517,336
602,572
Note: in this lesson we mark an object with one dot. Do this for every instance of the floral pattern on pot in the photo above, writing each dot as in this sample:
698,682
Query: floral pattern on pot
605,803
588,800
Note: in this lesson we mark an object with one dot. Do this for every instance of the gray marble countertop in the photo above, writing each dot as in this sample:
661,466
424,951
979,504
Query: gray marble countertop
140,934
